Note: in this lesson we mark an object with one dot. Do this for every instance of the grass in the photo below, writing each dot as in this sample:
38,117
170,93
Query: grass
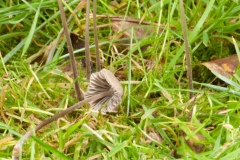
152,122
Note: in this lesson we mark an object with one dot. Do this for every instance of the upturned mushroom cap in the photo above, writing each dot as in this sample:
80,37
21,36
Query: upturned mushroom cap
100,82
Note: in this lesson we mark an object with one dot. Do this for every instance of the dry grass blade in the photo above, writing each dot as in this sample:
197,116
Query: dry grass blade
3,92
95,35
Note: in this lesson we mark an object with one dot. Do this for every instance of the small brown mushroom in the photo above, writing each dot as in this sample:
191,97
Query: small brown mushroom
104,88
101,82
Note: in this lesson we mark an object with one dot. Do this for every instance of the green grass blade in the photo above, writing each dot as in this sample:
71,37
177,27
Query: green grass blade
36,78
236,48
199,25
14,51
117,148
227,80
232,155
51,149
224,89
192,35
31,32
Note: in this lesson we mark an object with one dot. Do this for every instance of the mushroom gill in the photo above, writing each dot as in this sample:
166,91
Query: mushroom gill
100,82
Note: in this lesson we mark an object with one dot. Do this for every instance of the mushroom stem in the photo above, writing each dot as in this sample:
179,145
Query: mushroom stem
87,51
70,49
17,147
95,35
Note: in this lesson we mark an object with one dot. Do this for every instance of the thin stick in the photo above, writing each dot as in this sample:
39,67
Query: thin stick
188,57
17,148
70,49
95,35
87,52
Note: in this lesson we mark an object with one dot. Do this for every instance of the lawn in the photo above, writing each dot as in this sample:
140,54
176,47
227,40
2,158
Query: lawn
143,44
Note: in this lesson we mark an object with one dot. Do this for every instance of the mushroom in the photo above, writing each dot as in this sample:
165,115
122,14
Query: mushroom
104,88
101,82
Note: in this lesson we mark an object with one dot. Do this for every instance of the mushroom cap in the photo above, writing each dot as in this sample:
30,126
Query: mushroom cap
100,82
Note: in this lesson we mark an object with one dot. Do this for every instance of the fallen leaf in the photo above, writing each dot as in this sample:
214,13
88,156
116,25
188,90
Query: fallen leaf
195,142
225,66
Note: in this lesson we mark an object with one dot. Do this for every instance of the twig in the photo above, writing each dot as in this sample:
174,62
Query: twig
17,148
70,49
188,57
95,35
87,52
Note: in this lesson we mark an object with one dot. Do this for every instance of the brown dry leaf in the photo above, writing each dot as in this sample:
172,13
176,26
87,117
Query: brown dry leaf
119,26
122,30
195,143
225,66
122,27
